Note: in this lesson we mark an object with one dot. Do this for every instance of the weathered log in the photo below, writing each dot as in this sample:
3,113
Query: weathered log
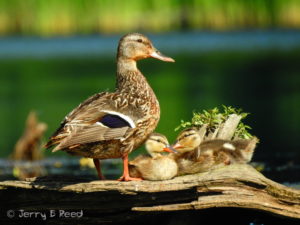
238,185
28,147
226,130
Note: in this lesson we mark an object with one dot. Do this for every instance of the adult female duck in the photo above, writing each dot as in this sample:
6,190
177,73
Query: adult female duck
111,125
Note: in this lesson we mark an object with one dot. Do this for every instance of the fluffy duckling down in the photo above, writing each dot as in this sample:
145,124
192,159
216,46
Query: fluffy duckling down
196,156
154,166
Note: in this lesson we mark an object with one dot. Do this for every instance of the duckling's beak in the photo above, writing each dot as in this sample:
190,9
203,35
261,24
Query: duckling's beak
170,149
177,146
157,55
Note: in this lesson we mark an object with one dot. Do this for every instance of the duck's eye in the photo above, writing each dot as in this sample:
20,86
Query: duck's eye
158,140
139,40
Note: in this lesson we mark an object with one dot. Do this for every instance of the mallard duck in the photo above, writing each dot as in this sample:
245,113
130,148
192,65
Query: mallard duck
187,145
196,156
154,166
228,152
112,124
188,140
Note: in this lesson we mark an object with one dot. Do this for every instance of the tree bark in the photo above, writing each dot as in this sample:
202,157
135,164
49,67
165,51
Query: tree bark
238,185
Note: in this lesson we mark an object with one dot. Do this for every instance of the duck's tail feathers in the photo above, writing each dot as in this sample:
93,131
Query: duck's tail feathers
52,142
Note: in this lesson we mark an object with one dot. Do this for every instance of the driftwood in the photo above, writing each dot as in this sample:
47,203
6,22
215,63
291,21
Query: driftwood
229,186
28,147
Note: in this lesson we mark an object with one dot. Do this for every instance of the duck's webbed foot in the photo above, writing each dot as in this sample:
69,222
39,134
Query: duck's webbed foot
126,176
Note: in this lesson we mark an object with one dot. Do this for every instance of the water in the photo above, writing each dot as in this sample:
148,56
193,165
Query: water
174,43
78,167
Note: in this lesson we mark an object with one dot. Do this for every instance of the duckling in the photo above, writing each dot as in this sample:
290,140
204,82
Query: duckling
229,152
113,124
187,145
188,140
198,157
154,166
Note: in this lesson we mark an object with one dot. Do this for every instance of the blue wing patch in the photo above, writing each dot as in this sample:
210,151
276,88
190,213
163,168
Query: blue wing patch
114,121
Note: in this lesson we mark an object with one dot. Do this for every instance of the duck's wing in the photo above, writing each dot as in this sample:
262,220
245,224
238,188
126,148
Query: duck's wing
94,120
90,134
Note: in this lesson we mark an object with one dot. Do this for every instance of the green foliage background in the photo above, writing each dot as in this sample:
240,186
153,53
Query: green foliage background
265,83
62,17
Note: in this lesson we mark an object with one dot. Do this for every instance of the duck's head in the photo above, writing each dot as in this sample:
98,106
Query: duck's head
136,46
187,140
157,143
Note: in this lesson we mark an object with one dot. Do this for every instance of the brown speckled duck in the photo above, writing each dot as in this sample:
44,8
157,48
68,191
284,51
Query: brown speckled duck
111,125
154,166
196,156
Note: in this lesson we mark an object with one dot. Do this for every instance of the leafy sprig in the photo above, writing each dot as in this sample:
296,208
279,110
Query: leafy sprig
214,117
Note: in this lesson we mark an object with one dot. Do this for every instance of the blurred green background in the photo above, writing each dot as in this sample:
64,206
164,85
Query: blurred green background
56,53
56,17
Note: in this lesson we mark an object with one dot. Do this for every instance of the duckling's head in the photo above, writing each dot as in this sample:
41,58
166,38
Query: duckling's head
156,144
187,140
136,46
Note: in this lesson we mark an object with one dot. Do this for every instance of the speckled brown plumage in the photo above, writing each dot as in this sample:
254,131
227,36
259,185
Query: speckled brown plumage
111,125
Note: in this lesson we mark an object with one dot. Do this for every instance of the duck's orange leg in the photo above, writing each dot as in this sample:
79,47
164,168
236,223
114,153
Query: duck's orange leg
98,168
125,176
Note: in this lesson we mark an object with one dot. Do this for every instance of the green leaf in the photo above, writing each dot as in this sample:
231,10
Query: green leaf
214,117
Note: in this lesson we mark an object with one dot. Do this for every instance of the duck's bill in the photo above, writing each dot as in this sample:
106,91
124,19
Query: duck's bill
157,55
170,149
177,146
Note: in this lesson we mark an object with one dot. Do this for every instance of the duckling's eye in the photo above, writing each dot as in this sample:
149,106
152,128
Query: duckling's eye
158,140
139,40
